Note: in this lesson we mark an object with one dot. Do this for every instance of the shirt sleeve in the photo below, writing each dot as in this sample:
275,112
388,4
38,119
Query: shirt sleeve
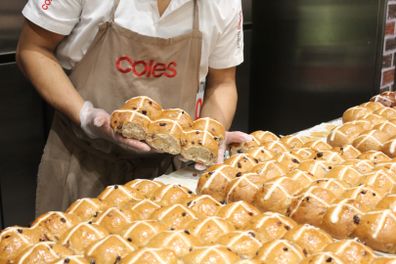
58,16
228,51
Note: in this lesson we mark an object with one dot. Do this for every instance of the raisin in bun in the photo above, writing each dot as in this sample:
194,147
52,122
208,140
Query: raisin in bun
110,249
330,156
238,213
348,152
179,115
244,187
281,251
144,187
277,195
243,243
260,153
269,169
237,148
42,252
53,225
165,135
82,236
323,258
211,125
309,238
346,173
377,229
270,226
311,205
171,194
115,219
305,153
303,178
210,229
130,123
351,251
115,195
151,256
86,208
180,241
337,187
289,161
175,216
140,232
367,196
218,254
259,137
342,218
317,168
203,205
200,146
144,105
242,162
375,156
215,181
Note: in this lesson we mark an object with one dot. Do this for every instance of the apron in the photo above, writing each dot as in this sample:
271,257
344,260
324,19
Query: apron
118,65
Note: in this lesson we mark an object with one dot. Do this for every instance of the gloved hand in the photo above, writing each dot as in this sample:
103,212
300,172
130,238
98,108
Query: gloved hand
95,122
230,138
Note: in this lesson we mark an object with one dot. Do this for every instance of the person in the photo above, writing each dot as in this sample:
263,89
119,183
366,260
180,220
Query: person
86,57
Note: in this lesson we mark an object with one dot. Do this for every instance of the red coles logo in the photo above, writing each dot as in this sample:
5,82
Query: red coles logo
146,68
46,4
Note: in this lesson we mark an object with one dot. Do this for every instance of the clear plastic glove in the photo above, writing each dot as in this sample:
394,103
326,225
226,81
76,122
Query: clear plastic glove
95,122
230,138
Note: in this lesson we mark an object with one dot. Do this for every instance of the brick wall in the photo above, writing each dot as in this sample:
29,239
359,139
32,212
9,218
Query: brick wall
389,55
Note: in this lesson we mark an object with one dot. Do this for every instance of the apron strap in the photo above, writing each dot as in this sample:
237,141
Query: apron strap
196,16
113,10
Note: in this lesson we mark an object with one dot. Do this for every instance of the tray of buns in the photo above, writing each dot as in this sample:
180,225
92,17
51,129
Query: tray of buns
147,221
342,181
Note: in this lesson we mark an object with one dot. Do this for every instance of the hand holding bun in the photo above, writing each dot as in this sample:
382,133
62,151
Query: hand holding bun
169,130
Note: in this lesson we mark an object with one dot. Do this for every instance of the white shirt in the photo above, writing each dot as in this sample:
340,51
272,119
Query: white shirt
220,22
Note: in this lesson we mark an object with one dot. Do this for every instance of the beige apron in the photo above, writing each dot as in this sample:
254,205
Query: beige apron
118,65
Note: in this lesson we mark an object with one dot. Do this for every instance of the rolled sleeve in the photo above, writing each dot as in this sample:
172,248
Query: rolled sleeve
58,16
228,51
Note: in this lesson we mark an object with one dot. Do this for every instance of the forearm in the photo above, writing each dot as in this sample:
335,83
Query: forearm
43,70
220,102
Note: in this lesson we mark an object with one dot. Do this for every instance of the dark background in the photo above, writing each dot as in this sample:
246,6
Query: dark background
305,62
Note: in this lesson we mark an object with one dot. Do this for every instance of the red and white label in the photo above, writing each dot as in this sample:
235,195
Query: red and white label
146,68
46,4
